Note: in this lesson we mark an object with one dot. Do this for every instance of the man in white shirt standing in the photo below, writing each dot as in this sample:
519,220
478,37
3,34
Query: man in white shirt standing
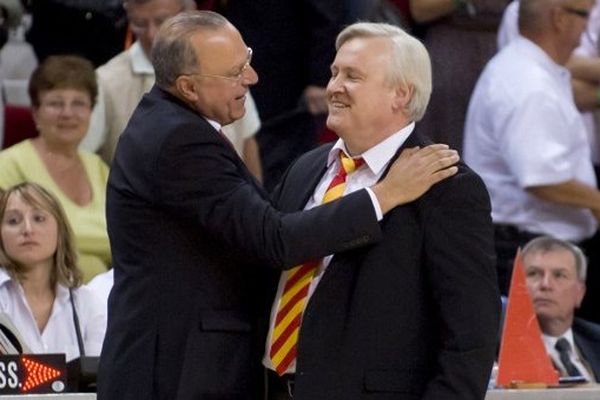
526,138
125,78
556,272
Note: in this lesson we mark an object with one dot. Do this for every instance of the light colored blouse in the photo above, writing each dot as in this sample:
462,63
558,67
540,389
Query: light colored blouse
59,333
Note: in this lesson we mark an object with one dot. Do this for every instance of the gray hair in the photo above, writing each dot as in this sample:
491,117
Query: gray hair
410,66
544,244
172,53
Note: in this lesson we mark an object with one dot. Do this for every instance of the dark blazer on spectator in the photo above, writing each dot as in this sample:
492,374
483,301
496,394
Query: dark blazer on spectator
414,316
587,339
188,224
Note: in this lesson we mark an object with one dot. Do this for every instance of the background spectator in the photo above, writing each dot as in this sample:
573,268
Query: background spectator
556,272
523,102
62,91
40,283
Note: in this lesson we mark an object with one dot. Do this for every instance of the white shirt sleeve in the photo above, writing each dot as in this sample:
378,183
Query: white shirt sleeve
376,205
540,141
92,318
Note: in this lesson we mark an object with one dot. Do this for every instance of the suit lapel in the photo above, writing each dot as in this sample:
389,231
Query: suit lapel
413,140
303,178
338,261
588,350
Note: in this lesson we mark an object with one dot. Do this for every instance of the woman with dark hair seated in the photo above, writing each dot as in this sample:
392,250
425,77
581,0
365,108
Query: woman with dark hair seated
40,283
63,90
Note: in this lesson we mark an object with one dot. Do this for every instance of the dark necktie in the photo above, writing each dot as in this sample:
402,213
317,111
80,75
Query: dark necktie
564,350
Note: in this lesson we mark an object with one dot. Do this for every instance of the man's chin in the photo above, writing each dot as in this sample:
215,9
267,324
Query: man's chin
333,123
234,116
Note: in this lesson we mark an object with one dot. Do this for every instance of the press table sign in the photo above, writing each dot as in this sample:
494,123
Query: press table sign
33,373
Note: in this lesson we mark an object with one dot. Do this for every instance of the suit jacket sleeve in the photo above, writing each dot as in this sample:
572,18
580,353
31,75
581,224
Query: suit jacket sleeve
460,262
200,177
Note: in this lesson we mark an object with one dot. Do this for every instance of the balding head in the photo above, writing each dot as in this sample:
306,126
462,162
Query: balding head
172,53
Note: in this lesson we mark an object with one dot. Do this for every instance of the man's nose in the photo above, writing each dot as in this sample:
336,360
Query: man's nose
546,281
334,85
250,76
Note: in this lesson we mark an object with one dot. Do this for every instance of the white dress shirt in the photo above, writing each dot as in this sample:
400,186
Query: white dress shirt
588,48
59,334
523,130
576,358
376,160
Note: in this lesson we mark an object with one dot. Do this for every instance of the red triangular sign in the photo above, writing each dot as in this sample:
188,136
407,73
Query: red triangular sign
523,357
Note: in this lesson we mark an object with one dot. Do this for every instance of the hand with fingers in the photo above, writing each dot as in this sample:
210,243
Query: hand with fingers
414,172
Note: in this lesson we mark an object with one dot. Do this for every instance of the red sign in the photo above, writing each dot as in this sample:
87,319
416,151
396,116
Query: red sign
33,373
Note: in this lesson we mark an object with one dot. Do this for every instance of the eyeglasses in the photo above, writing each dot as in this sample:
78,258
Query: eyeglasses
58,106
235,77
575,11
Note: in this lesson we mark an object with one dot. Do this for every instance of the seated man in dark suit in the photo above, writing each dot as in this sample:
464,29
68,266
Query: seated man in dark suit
556,272
415,315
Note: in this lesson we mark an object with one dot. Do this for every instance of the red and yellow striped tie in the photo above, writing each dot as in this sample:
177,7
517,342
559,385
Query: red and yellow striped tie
295,292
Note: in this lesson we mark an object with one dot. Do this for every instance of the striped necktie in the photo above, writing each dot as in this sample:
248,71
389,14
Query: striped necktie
295,292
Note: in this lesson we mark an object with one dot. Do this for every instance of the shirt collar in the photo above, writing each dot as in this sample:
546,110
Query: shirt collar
378,156
214,124
62,293
140,63
4,277
550,341
542,58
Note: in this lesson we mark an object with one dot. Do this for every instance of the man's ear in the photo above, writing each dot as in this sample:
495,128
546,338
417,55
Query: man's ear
402,97
559,20
186,88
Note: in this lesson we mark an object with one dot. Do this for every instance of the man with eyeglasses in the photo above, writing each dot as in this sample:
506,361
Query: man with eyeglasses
525,136
125,78
192,233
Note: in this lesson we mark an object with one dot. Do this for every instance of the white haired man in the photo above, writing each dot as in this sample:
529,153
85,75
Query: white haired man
415,315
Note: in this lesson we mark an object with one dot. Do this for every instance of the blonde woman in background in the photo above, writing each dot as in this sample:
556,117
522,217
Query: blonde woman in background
40,283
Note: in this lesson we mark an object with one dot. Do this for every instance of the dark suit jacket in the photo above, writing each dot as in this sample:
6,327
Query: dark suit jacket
587,339
414,316
186,223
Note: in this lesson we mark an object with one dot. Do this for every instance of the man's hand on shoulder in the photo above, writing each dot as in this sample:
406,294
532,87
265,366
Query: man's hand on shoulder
413,173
